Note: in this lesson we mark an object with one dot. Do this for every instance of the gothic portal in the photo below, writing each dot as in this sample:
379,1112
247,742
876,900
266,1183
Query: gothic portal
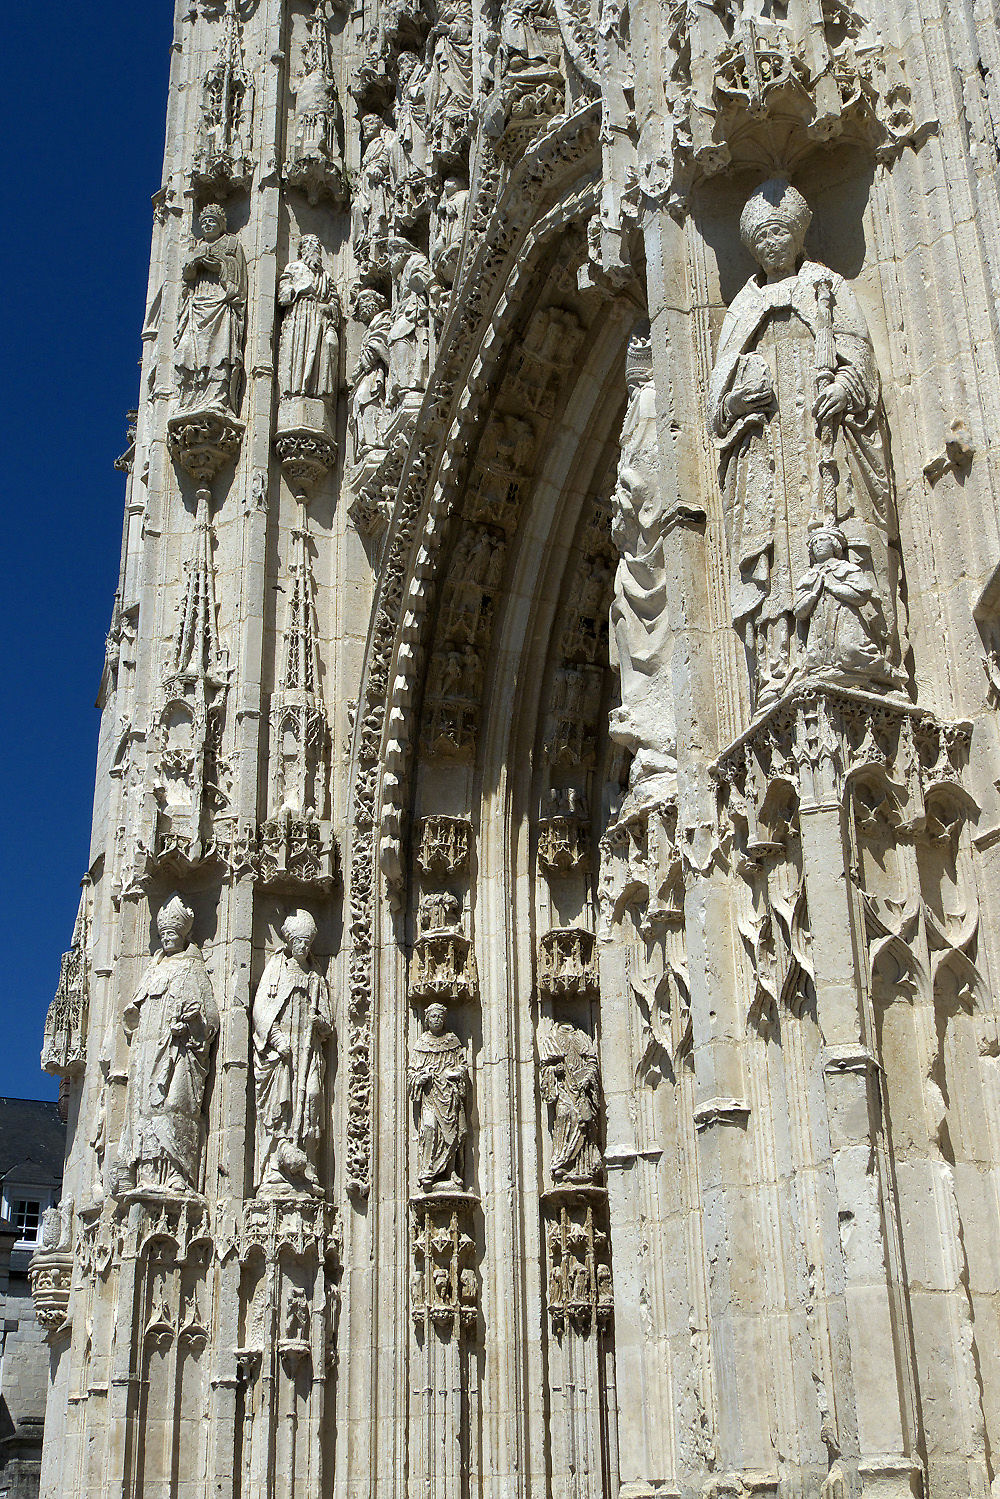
531,1027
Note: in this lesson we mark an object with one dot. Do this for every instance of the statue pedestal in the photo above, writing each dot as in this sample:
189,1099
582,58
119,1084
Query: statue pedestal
304,442
203,442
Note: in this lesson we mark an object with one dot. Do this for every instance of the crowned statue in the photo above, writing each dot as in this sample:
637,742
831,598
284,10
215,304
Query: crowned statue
208,347
171,1021
292,1022
439,1087
796,409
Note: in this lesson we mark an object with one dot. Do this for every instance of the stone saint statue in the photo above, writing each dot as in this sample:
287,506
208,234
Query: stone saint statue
309,347
641,638
570,1079
172,1020
449,81
368,378
449,226
409,334
292,1022
439,1086
373,193
208,348
795,406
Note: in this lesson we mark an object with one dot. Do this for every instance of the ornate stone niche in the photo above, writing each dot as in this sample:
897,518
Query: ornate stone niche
579,1287
566,962
64,1045
314,162
444,1290
563,843
443,965
50,1271
224,159
444,845
573,716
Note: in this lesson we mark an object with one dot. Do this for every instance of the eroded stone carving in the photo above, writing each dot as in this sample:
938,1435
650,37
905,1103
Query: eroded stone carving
367,416
64,1046
314,163
795,406
292,1025
444,844
444,961
224,162
449,82
569,1078
171,1021
439,1087
309,346
640,627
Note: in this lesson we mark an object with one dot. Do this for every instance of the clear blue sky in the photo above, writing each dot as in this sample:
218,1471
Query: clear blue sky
82,112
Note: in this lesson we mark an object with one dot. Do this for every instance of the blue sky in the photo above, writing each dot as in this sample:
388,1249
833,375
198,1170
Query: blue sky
82,112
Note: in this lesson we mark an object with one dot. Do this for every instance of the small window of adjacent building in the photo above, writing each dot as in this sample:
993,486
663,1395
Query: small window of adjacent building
27,1218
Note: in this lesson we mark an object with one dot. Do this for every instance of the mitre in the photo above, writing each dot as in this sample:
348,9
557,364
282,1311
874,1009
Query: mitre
775,199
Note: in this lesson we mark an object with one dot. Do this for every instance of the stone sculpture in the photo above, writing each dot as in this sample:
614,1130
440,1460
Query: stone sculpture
642,643
409,165
369,376
570,1080
292,1024
449,83
309,346
373,191
409,336
208,348
171,1021
795,406
449,225
439,1087
841,630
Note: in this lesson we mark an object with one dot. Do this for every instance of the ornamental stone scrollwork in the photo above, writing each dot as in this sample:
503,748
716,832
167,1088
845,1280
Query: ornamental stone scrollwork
569,1079
747,89
224,160
308,367
444,962
171,1022
50,1271
64,1046
292,1022
814,568
444,845
189,770
440,1086
566,962
580,1291
314,162
204,433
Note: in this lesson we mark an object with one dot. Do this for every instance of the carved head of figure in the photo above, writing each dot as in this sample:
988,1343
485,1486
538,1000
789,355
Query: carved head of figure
407,61
773,225
371,128
212,222
299,932
311,251
826,541
368,303
435,1019
174,921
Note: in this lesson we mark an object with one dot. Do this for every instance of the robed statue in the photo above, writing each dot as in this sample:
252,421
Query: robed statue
171,1020
570,1080
309,345
292,1023
439,1087
796,410
366,416
208,348
640,628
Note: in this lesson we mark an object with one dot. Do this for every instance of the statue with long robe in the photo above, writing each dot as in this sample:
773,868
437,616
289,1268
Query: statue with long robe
292,1022
208,347
439,1087
171,1020
570,1080
795,407
449,80
309,345
366,416
373,192
409,335
640,629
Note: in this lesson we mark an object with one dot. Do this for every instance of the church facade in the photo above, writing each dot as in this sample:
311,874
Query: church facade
530,1028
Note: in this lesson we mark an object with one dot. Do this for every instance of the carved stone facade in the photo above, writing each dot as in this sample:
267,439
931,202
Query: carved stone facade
530,1026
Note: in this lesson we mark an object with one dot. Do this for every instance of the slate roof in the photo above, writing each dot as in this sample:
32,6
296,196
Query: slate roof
32,1141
